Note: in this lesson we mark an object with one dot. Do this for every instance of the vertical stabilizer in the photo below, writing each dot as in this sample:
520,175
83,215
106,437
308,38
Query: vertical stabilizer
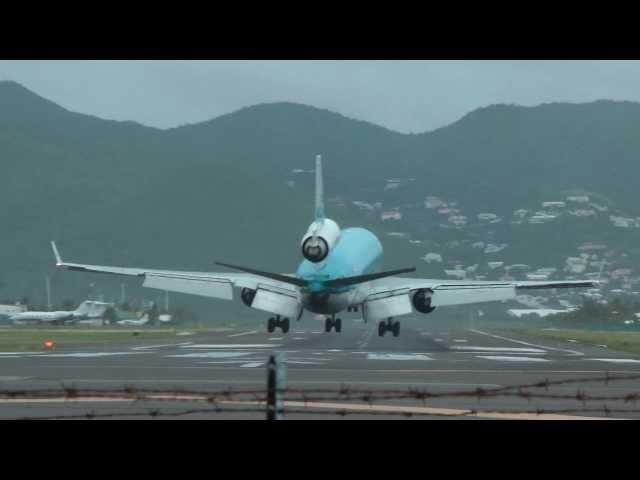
319,189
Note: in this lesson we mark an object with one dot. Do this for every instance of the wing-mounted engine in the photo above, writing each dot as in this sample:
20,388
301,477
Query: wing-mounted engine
320,239
421,300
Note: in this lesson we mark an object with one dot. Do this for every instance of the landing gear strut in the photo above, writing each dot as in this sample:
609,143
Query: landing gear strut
332,322
389,325
276,321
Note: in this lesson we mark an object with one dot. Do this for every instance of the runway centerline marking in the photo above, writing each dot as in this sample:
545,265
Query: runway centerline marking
243,333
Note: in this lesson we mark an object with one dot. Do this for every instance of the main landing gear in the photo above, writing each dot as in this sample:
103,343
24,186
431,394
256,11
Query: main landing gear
332,322
282,323
389,325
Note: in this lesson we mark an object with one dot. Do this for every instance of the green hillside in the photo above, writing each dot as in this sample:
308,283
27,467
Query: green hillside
125,194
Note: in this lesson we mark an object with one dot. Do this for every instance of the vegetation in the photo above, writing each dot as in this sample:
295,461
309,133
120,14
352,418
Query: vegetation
120,193
620,341
592,314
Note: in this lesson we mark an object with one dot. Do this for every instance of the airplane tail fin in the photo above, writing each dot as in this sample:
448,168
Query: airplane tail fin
319,189
83,308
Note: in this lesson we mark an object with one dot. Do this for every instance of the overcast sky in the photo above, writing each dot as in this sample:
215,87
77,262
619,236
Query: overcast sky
407,96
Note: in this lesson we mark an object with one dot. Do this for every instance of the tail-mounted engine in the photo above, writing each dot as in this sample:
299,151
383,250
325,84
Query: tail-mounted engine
247,295
421,300
320,239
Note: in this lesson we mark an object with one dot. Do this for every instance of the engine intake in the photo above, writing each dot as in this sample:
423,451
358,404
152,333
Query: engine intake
320,239
422,300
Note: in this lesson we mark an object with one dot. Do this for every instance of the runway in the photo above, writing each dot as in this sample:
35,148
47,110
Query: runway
455,367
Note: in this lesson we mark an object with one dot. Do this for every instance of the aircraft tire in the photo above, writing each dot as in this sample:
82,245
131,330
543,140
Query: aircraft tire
271,325
338,325
381,329
396,329
327,325
284,325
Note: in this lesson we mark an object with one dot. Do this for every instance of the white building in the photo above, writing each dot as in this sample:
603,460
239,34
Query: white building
432,257
578,199
487,216
553,204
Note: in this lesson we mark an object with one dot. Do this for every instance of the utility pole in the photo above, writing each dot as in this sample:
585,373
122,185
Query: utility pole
123,296
48,287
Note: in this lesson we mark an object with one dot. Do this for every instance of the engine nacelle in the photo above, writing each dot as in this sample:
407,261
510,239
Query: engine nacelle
421,300
320,239
247,295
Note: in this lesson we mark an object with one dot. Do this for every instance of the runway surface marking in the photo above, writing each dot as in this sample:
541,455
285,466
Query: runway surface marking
20,353
397,356
252,365
148,347
480,332
615,360
236,346
460,340
497,349
91,354
211,355
437,411
366,338
513,359
275,338
243,333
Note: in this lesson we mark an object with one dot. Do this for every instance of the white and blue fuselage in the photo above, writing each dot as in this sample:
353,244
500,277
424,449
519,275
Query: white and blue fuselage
357,251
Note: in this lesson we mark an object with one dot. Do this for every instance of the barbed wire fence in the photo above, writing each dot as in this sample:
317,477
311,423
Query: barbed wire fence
276,400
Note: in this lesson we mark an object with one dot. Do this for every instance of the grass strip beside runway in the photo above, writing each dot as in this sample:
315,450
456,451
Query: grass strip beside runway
32,340
620,341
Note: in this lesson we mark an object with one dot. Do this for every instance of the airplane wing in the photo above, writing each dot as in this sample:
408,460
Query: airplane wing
208,284
392,296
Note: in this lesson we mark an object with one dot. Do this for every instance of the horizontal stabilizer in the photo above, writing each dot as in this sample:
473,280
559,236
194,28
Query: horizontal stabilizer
346,281
274,276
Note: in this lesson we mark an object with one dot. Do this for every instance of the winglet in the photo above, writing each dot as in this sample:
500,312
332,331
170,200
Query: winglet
59,261
319,189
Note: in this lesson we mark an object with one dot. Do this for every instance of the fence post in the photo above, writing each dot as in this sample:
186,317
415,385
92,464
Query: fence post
276,385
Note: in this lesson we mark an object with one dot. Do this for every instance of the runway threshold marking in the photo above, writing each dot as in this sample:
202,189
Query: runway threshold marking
243,333
572,352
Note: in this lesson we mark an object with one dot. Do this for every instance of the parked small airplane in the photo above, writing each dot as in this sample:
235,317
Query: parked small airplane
340,271
88,310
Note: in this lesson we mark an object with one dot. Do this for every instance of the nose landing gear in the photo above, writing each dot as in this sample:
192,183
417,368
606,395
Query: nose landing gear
389,325
282,323
332,322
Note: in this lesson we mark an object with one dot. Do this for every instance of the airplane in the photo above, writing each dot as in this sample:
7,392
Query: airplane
130,322
87,310
340,271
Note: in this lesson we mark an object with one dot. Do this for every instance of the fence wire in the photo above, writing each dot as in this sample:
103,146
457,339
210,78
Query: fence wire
306,401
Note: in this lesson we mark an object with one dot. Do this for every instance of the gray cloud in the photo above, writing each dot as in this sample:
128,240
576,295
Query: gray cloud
407,96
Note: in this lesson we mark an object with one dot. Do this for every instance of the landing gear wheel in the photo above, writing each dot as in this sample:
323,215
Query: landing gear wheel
327,324
338,325
284,325
396,329
381,329
271,325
